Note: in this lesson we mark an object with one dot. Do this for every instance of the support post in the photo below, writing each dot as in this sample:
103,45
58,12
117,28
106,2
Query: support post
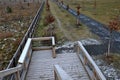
54,53
17,76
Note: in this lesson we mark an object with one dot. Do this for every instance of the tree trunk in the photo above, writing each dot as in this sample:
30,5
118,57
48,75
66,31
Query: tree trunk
109,45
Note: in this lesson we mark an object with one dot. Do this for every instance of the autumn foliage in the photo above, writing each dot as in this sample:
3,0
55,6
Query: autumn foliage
113,25
49,17
78,9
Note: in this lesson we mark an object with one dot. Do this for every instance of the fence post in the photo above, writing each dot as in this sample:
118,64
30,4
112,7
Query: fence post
53,50
55,76
17,75
53,47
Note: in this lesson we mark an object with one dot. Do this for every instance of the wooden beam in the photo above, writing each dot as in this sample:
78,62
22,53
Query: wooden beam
53,52
41,48
10,71
60,74
25,51
41,38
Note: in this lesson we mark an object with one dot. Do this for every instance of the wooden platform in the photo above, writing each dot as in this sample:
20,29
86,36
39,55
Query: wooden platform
42,66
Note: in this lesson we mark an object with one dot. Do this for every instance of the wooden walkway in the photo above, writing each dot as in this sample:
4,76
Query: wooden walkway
42,66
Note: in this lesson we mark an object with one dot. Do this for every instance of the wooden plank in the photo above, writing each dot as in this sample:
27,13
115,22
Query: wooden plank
60,74
42,66
41,38
10,71
41,48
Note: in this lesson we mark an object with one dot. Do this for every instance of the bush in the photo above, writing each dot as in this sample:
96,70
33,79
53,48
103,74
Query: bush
8,9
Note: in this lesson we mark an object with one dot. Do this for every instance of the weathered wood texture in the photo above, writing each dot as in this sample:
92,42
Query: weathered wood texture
60,74
42,66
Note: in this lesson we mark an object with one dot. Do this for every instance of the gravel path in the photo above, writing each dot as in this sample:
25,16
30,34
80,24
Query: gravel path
98,28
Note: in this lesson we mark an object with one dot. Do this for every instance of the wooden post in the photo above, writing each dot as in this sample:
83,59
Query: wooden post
54,53
25,66
53,47
78,49
55,75
85,60
17,76
95,75
29,53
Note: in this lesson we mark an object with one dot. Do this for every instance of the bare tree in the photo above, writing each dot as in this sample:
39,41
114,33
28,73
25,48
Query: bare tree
95,4
78,13
113,26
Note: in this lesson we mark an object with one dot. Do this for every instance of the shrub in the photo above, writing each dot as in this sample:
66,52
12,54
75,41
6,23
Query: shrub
8,9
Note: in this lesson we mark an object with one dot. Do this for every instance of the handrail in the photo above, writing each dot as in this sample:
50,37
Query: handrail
10,71
60,74
28,34
24,60
89,64
14,61
47,38
53,41
25,51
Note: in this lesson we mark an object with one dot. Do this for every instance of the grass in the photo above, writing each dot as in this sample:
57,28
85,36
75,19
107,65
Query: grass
113,58
16,23
68,22
105,9
116,60
66,28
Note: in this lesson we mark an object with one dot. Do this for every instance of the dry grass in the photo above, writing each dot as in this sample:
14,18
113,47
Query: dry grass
6,35
16,24
68,23
113,59
105,10
17,12
70,31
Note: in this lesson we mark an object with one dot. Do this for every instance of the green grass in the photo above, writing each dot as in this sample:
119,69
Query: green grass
67,22
42,28
105,10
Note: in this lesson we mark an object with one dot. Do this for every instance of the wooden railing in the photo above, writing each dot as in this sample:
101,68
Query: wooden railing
60,74
50,47
11,71
90,66
28,34
23,63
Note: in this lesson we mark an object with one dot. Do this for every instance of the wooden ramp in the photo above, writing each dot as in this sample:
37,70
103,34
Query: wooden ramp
42,66
66,66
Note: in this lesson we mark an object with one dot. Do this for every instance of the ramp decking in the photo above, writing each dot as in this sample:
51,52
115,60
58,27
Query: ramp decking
42,66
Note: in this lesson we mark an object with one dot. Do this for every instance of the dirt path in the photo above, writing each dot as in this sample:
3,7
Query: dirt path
65,32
